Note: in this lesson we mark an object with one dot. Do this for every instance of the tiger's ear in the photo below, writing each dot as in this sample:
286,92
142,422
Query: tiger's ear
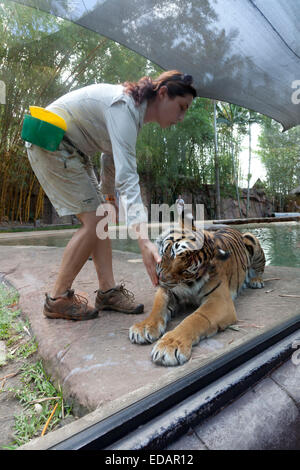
221,254
186,220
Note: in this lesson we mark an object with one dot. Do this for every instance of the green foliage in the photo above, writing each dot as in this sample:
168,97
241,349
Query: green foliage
8,298
43,57
280,153
184,150
12,328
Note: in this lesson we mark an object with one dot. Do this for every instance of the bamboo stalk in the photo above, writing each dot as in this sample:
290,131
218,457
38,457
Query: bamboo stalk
18,215
28,200
14,204
3,191
39,207
9,200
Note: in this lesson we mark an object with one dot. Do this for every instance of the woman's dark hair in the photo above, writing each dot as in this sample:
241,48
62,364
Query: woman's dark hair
146,88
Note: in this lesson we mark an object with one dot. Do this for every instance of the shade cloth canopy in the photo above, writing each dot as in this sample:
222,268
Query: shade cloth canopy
245,52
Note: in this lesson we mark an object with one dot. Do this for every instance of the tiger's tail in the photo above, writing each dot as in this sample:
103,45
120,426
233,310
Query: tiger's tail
257,261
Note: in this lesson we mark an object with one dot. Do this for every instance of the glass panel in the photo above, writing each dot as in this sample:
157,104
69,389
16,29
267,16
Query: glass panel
42,58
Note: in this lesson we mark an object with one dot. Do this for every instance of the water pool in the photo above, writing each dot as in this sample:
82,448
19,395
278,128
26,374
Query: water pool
280,241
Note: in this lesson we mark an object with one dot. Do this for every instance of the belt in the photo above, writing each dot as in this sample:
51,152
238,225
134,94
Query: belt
68,141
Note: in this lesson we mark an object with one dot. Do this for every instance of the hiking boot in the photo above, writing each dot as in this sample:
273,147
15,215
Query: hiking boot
69,306
119,299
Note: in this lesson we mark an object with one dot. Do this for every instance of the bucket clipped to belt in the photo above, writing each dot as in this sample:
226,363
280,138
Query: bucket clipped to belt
43,128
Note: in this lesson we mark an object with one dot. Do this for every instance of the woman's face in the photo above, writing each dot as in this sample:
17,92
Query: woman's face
170,111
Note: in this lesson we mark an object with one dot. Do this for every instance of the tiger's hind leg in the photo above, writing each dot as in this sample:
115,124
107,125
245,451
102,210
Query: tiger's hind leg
257,261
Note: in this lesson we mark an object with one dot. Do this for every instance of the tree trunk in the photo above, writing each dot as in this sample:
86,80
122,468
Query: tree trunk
235,177
249,169
217,173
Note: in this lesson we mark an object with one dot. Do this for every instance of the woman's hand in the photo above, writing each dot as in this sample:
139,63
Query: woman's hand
150,258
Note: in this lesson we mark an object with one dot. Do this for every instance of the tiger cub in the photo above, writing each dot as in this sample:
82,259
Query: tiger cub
205,268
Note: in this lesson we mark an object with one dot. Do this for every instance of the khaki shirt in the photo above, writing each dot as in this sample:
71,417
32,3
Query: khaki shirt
103,118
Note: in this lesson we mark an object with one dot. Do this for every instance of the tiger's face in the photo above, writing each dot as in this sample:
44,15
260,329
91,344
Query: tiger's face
185,257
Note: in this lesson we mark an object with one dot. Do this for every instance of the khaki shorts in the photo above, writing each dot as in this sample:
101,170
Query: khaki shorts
67,178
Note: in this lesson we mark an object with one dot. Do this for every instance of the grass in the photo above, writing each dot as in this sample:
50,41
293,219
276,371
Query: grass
8,299
35,391
38,397
13,330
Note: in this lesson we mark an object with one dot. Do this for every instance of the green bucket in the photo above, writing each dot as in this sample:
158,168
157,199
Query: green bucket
41,133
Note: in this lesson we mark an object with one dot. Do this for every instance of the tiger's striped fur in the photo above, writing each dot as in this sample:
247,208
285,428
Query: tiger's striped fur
203,268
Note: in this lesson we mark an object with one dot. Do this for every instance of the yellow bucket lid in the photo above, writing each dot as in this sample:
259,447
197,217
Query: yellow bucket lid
47,116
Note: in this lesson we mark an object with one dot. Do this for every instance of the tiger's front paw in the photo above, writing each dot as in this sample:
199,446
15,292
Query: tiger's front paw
146,332
256,283
171,350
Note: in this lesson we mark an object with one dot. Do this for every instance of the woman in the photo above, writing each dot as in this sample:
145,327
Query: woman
105,118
